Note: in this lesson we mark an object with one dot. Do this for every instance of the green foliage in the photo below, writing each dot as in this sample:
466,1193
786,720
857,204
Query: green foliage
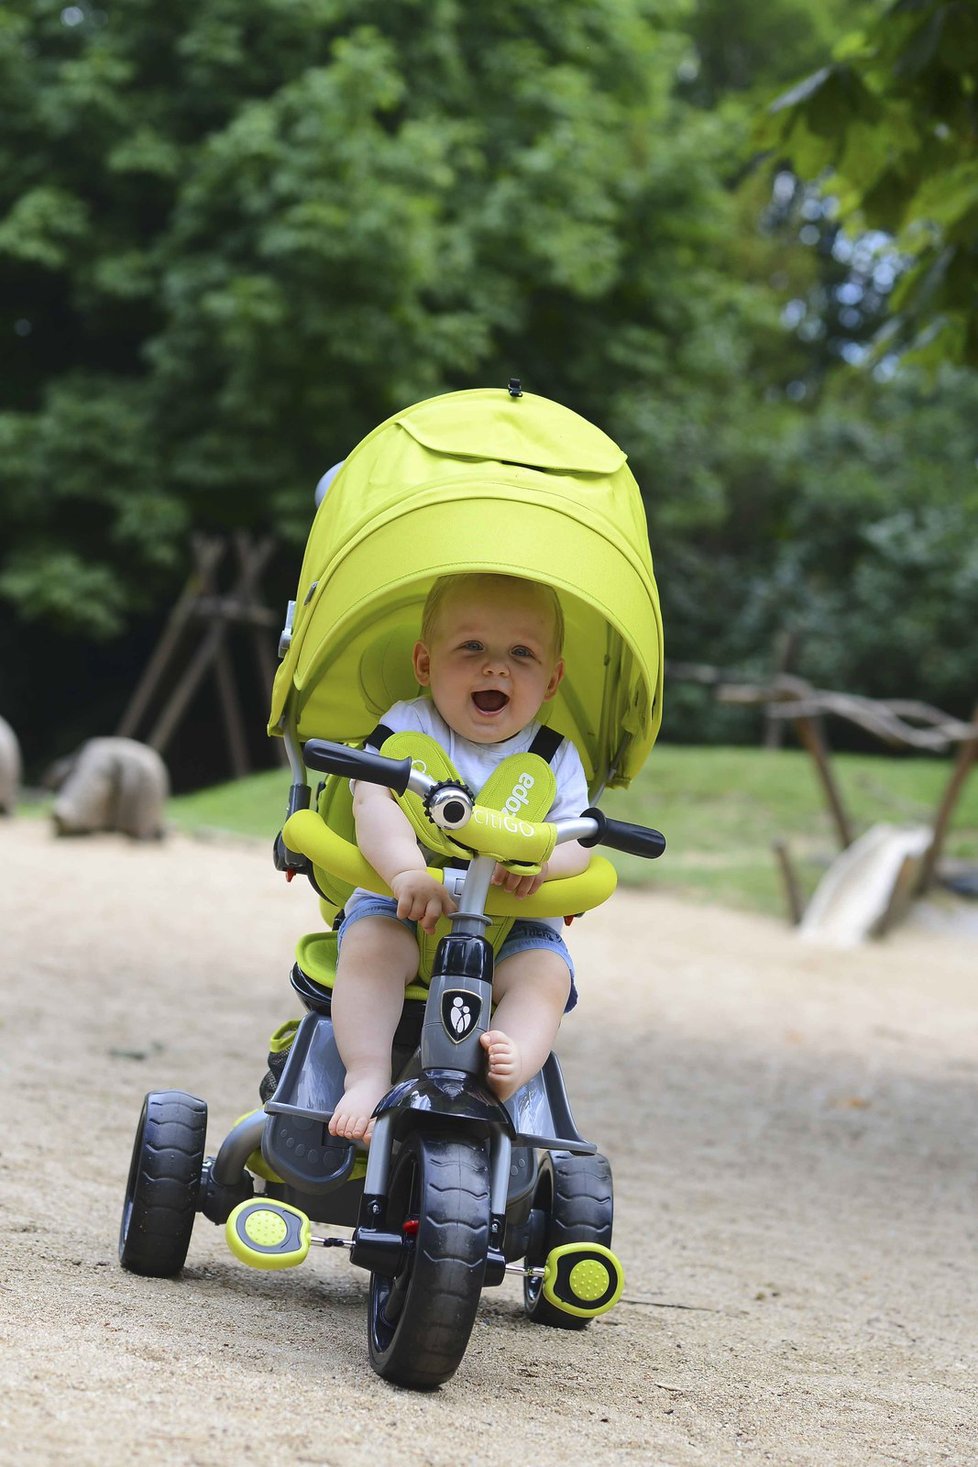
233,238
88,463
741,48
855,534
889,125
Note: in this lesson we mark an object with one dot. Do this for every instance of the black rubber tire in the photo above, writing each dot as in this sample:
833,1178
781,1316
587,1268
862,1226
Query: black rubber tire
575,1194
419,1321
164,1184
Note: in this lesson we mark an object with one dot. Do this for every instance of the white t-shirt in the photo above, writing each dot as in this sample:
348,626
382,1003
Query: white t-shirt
475,763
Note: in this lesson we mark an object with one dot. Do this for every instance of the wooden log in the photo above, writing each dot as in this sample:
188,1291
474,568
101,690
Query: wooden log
207,554
786,649
810,737
789,881
231,710
967,753
206,652
232,608
263,646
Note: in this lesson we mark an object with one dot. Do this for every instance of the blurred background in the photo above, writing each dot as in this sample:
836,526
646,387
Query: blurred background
236,236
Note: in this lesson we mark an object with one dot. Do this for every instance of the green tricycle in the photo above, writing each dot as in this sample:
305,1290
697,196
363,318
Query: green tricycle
456,1189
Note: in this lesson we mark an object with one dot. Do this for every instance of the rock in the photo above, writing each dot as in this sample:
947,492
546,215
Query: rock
10,768
111,784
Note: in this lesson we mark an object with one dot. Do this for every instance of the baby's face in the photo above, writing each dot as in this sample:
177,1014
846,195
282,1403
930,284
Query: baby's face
491,663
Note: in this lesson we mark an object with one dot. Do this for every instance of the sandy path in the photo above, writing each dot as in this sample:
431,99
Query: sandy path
794,1133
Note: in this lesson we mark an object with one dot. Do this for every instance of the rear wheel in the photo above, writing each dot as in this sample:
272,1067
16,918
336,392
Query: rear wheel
576,1201
420,1319
164,1184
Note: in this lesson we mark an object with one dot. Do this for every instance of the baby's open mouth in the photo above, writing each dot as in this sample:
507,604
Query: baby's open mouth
490,700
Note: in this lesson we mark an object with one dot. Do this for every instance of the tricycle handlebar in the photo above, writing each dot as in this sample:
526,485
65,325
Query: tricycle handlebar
357,764
637,840
453,807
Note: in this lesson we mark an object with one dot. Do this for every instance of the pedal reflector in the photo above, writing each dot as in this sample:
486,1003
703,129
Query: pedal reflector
267,1234
585,1279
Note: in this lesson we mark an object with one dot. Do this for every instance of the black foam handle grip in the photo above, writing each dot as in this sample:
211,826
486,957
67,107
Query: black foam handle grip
357,764
637,840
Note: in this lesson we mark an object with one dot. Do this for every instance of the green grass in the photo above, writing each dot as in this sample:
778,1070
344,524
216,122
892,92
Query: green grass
253,806
720,809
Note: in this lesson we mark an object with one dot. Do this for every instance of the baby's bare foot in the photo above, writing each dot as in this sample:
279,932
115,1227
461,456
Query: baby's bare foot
353,1117
503,1063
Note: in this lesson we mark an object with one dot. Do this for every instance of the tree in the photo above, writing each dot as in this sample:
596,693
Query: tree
888,127
234,237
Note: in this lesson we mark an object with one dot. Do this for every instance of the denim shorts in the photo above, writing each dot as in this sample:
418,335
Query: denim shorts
522,936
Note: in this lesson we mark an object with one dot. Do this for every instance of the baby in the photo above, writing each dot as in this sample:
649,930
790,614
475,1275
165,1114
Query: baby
490,655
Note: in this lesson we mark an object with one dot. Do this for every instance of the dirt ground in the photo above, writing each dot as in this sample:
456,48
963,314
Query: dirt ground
793,1131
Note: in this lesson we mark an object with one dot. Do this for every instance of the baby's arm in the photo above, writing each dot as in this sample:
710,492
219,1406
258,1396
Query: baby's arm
386,839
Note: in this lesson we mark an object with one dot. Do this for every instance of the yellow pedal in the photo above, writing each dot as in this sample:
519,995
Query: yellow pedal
267,1234
585,1279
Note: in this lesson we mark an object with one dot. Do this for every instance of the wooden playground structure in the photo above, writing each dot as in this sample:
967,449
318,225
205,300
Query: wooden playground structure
906,863
195,642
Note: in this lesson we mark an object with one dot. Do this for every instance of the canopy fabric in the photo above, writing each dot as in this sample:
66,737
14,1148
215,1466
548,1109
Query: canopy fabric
479,481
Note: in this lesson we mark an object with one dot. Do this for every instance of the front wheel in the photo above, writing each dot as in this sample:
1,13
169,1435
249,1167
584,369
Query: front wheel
164,1184
420,1319
575,1201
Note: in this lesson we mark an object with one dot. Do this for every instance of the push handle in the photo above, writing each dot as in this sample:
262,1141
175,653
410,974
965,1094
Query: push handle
637,840
357,764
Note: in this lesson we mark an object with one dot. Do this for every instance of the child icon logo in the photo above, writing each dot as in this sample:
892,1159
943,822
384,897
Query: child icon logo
459,1013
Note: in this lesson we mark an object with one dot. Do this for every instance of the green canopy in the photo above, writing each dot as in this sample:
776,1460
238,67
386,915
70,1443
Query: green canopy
479,481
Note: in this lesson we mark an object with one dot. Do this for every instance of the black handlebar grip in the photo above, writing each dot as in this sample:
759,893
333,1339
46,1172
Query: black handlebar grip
637,840
357,764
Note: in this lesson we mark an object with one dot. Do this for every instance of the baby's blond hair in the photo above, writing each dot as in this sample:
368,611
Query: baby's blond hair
445,585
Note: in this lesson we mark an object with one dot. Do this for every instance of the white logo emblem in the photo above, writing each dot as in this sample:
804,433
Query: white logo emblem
460,1011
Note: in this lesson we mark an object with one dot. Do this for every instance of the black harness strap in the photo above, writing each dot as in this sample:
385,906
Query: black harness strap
546,743
379,737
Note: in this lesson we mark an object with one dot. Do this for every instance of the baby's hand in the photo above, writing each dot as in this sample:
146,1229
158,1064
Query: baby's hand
520,886
421,898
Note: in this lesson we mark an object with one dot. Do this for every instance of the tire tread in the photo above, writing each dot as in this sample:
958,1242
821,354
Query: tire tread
449,1262
164,1184
581,1211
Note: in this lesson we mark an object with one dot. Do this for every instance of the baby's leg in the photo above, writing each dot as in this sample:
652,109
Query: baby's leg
530,990
378,958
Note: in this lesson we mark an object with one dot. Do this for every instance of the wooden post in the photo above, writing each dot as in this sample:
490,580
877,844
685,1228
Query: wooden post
231,709
162,730
261,642
207,554
239,604
790,881
967,754
203,604
811,738
786,647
